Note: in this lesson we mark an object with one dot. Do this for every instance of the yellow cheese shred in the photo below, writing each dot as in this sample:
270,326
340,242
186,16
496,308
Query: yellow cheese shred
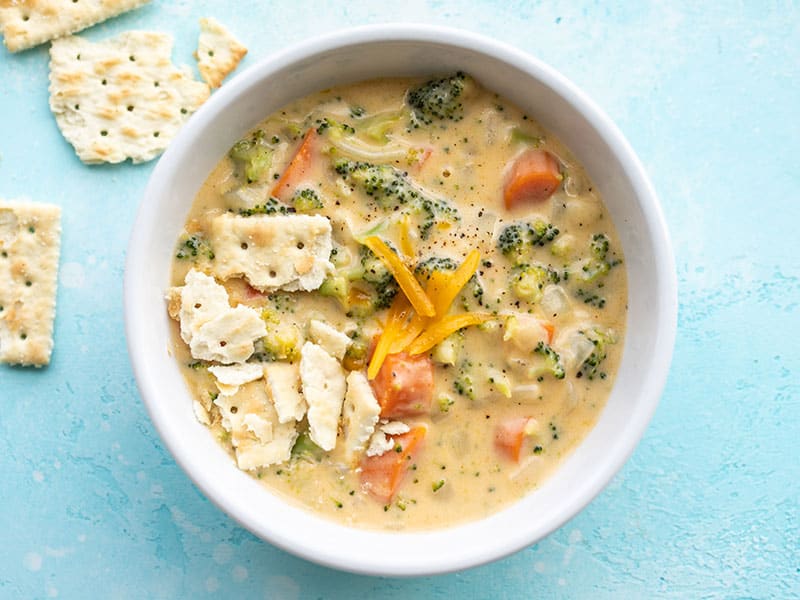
403,275
442,328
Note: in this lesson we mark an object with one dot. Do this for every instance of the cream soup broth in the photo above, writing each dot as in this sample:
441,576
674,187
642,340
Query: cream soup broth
434,173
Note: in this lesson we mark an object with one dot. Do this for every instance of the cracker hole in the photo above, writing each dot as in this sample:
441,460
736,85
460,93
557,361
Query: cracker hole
31,229
155,84
156,134
104,82
28,283
198,305
300,245
184,111
273,274
130,108
244,245
104,133
23,336
234,410
77,107
223,343
78,57
5,254
132,58
26,18
1,309
446,173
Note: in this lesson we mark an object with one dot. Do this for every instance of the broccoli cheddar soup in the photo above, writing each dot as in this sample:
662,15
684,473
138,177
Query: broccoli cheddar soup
399,303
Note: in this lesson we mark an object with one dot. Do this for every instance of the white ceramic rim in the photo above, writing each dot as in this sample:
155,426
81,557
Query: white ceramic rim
282,531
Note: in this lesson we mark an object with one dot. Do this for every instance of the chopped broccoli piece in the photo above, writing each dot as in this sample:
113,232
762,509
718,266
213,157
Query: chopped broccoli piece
375,273
518,240
439,99
590,367
391,189
518,136
305,449
270,207
600,262
355,357
306,200
335,286
330,126
194,246
463,383
357,112
254,155
552,360
282,339
529,281
445,401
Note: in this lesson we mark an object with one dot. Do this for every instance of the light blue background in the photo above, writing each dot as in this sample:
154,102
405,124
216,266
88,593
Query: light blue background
707,507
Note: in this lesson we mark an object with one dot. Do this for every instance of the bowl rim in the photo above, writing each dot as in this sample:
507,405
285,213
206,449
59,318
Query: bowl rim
648,203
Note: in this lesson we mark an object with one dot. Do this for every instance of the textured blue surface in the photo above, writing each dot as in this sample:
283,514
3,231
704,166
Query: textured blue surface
709,504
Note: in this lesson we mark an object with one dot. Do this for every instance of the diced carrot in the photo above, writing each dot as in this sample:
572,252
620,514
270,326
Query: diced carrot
299,167
404,385
382,475
509,437
533,177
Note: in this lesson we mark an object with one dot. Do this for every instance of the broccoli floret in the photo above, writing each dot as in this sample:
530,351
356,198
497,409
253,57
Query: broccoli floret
590,368
518,240
254,155
552,361
363,290
601,261
282,339
529,281
306,200
425,267
439,99
270,207
194,246
391,189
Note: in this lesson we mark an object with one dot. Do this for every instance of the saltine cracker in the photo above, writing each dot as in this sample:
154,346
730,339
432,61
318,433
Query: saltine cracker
121,98
218,52
28,23
30,240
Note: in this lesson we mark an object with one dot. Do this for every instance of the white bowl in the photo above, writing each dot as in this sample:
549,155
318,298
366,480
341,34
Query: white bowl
385,51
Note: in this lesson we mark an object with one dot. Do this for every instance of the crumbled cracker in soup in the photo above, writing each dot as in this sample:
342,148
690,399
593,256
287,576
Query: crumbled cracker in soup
441,295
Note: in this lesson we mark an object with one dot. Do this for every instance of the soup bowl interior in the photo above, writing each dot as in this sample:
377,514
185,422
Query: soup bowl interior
386,51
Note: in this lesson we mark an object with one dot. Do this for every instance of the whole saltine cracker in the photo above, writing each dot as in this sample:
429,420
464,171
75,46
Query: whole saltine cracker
218,52
28,23
121,98
30,239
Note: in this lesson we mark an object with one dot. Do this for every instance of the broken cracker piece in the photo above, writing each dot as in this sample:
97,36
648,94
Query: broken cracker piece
218,52
28,23
121,98
30,240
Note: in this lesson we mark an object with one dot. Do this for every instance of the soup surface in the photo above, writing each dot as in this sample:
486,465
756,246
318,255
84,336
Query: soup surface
400,302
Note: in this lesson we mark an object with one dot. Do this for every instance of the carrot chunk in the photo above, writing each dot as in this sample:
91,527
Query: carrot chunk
404,385
382,475
299,167
534,177
510,435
